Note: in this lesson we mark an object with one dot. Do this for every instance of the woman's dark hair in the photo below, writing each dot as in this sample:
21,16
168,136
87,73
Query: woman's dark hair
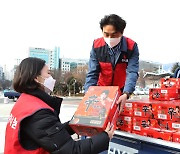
114,20
25,74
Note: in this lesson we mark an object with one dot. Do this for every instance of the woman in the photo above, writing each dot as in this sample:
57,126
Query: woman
34,125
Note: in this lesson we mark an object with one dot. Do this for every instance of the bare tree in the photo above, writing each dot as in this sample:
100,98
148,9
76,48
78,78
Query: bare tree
80,73
5,84
57,74
175,66
141,80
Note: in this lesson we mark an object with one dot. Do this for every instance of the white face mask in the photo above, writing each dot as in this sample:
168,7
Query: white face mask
112,42
49,83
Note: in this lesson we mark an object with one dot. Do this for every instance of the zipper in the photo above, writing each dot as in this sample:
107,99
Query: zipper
113,70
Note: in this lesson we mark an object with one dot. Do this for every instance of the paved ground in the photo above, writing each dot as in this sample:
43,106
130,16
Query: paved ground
68,108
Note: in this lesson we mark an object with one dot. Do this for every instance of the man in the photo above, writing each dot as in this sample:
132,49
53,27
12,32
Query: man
114,58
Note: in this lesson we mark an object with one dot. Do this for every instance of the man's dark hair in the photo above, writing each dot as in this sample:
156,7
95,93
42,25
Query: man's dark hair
25,74
113,20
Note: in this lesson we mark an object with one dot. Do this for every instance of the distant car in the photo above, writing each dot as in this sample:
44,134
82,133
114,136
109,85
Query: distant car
11,94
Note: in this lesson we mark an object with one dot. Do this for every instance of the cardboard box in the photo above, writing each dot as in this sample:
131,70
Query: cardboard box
156,133
159,133
176,137
124,123
163,94
142,133
168,110
144,108
128,108
163,134
97,108
170,83
168,125
140,124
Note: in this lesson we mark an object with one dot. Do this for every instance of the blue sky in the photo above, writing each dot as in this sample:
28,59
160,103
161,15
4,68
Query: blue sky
73,25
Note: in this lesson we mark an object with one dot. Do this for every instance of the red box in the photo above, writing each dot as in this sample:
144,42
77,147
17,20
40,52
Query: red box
170,83
128,108
142,133
168,110
168,125
163,135
176,137
96,109
124,123
140,124
163,94
144,108
159,133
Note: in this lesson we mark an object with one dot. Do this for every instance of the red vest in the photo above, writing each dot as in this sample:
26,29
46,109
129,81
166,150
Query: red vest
109,75
24,107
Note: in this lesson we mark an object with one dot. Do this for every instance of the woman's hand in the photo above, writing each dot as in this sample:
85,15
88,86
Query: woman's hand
110,130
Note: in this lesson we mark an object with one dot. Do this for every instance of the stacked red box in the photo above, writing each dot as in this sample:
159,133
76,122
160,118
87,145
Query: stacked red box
128,108
162,134
170,83
163,94
168,110
176,137
168,125
140,123
124,123
144,108
159,116
97,108
143,133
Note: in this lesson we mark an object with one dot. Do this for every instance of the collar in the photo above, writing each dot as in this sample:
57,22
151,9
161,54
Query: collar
123,44
52,101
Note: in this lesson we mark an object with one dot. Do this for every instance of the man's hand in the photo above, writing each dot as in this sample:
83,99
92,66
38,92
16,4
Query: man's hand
121,101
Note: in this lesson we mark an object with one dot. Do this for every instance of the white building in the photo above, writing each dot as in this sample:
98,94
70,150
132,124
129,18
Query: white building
68,64
65,65
50,56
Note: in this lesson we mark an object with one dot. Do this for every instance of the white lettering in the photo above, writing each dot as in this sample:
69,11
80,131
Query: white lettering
164,91
175,125
12,121
128,104
162,116
127,118
137,128
115,148
95,122
137,113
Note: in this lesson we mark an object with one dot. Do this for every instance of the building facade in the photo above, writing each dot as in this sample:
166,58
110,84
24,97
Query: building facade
69,65
50,56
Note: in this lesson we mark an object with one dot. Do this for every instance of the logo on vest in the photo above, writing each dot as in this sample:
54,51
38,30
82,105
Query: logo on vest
125,60
12,121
